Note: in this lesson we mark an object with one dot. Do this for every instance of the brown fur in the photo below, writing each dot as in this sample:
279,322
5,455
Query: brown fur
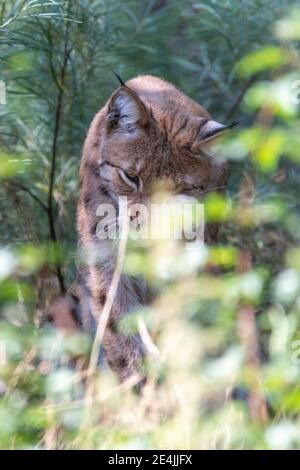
160,136
62,314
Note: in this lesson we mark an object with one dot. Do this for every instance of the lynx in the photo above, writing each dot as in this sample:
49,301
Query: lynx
147,131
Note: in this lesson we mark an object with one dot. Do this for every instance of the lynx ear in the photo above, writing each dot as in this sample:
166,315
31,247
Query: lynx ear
126,111
213,129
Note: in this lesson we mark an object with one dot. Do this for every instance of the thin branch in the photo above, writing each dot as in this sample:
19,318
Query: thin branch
58,113
31,194
246,321
240,96
103,320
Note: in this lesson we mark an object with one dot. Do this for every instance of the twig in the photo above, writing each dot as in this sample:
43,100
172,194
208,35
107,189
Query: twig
147,340
246,324
240,96
106,312
28,191
58,113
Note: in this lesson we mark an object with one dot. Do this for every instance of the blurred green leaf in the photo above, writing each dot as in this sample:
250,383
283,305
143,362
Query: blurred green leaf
264,59
11,165
217,208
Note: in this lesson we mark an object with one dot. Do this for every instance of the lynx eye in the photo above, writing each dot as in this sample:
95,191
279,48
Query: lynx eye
130,178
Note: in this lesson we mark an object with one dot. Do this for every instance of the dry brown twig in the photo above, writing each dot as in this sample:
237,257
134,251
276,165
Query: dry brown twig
246,324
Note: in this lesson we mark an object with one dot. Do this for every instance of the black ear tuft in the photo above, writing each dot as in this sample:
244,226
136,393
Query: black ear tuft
233,124
119,78
213,129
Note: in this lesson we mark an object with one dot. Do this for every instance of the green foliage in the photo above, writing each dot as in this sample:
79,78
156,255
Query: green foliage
222,333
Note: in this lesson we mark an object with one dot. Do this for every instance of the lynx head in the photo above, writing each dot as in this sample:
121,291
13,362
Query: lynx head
155,133
149,134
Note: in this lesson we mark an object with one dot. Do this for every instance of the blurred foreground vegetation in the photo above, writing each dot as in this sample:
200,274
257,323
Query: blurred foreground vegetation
228,371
